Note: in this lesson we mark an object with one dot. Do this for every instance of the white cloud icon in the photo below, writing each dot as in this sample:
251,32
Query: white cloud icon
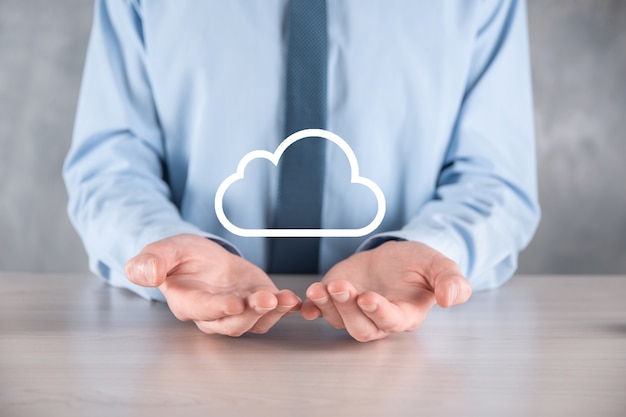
274,157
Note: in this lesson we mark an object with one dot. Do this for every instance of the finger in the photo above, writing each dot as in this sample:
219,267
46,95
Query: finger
144,270
395,317
358,325
452,289
449,284
151,266
309,310
287,302
258,305
188,303
319,296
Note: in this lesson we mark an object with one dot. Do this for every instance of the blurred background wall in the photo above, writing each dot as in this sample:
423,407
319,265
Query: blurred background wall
579,71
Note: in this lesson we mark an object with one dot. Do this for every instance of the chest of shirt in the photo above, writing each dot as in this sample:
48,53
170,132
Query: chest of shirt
387,60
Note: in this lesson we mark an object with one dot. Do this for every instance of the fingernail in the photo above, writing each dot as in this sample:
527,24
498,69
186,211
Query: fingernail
285,308
151,271
454,290
368,308
320,301
135,271
261,310
341,297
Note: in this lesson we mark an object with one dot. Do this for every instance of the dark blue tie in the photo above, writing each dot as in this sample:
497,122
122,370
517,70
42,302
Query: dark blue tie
301,168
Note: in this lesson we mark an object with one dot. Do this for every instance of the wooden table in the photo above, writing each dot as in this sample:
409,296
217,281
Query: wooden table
539,346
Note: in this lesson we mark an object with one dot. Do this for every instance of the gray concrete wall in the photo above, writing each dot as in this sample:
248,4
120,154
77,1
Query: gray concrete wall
42,49
579,71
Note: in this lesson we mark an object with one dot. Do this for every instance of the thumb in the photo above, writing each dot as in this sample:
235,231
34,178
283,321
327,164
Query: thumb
143,270
452,289
151,266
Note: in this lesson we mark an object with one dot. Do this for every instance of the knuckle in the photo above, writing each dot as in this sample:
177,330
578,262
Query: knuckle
394,328
231,331
413,327
174,305
400,325
179,315
259,330
205,327
365,336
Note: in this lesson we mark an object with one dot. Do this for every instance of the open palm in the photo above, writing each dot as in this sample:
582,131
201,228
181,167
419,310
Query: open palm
386,290
201,281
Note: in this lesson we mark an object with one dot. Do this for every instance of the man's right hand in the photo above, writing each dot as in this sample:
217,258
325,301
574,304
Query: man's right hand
201,281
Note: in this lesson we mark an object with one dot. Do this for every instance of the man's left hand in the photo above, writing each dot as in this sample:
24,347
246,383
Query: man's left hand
386,290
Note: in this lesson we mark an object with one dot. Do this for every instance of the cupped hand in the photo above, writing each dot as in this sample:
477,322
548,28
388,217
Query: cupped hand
201,281
385,290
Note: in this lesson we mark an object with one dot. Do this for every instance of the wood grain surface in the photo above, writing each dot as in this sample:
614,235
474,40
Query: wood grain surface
539,346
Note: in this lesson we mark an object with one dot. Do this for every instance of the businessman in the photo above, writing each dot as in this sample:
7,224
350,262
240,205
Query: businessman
434,99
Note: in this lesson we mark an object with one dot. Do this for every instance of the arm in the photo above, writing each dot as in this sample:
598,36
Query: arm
483,212
120,202
118,198
485,209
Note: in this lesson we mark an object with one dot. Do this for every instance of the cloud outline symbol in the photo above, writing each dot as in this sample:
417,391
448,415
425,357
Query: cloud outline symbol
274,157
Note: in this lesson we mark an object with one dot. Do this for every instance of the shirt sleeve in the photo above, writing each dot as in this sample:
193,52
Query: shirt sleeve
485,207
119,199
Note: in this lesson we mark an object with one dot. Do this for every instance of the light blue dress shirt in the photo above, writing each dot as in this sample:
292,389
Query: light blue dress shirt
434,98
